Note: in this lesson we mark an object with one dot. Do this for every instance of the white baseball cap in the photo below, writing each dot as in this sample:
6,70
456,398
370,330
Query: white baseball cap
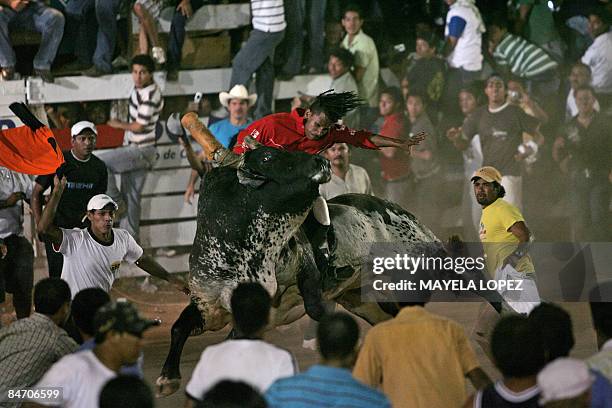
78,127
100,201
564,378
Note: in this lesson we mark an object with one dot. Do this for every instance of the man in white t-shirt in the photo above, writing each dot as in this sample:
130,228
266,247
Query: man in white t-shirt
247,357
81,376
92,255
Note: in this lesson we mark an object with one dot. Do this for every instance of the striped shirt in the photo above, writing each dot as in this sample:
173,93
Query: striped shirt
523,58
145,106
268,15
28,348
323,386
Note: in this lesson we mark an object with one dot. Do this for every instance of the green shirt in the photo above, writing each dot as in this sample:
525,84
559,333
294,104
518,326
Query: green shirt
540,24
523,58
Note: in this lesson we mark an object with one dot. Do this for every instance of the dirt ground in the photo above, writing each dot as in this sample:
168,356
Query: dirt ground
166,304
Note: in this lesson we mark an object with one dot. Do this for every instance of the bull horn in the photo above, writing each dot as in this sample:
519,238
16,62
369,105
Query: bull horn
201,134
251,143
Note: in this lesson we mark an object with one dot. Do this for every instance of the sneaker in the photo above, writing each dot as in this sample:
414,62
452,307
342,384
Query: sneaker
45,75
159,55
120,62
167,252
94,72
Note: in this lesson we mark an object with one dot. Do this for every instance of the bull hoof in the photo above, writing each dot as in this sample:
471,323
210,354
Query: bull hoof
165,386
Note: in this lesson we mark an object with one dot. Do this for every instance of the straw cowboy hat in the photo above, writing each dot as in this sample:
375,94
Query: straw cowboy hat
237,92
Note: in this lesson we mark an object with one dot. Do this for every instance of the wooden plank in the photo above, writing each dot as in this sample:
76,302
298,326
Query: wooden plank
166,181
165,235
175,264
160,208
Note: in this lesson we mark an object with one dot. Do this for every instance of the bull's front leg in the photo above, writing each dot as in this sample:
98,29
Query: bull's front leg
190,321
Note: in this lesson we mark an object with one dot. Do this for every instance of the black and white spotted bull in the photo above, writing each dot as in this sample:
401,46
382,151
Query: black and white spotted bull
250,229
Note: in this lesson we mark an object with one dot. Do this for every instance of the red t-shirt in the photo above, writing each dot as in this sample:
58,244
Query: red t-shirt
286,131
398,166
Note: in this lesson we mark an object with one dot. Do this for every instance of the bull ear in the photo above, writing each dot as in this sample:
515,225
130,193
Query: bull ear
249,178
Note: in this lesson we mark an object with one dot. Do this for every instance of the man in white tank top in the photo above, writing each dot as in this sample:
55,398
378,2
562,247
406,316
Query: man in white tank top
92,255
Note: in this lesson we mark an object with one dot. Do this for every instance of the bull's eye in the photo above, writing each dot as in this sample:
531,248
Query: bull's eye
266,158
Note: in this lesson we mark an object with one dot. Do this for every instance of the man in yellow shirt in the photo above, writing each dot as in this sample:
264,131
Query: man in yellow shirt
505,239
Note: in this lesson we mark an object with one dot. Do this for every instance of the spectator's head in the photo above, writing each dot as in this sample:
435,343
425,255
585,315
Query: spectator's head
585,99
84,136
340,62
599,20
68,114
555,326
52,298
565,383
468,100
97,112
333,34
580,75
426,43
450,2
327,109
339,156
142,70
517,347
495,89
237,101
497,27
352,19
390,101
337,336
119,329
100,213
415,105
232,394
250,309
126,391
601,312
84,307
487,185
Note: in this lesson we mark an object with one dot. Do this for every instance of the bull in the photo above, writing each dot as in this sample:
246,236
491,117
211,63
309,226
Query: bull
250,228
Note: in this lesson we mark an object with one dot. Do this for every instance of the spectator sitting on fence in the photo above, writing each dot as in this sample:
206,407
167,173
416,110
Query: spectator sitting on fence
135,160
237,102
148,12
339,68
34,15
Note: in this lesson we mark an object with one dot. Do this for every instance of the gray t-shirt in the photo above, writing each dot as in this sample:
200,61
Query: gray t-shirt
500,133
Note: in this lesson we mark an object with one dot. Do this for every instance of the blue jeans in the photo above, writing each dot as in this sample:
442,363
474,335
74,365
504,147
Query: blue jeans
256,56
106,15
133,163
37,17
177,35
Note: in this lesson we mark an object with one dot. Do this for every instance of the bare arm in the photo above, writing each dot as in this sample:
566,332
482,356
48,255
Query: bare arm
190,190
194,161
459,140
519,230
132,126
358,73
404,144
37,202
45,226
449,45
150,265
478,378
